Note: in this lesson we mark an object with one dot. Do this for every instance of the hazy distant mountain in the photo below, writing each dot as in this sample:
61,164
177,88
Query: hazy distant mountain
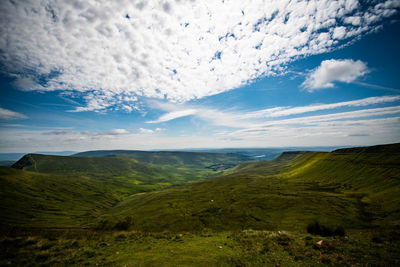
17,156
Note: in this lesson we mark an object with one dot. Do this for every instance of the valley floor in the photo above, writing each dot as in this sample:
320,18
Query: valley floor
207,248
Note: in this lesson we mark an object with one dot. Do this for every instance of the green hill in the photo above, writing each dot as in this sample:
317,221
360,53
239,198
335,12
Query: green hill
79,165
192,159
50,200
356,188
64,191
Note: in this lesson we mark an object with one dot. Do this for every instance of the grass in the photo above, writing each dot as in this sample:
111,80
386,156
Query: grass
206,248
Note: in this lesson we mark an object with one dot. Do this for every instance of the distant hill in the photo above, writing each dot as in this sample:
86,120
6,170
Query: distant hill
198,159
356,188
67,191
85,165
6,163
17,156
262,154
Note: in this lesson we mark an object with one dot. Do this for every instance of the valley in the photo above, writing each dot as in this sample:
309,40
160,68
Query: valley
176,207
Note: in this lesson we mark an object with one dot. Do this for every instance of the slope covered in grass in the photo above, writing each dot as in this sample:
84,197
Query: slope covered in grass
83,165
61,191
48,200
238,248
192,159
345,187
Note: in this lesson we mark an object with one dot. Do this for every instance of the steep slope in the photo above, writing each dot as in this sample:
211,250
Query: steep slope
347,187
50,200
83,165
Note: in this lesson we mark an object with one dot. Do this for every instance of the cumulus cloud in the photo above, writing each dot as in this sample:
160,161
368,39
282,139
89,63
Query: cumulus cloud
345,70
6,114
115,52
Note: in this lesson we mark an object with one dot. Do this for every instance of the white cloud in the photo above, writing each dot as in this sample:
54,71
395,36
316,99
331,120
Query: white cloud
357,131
87,134
174,115
339,32
6,114
287,111
112,51
114,132
345,70
247,119
146,131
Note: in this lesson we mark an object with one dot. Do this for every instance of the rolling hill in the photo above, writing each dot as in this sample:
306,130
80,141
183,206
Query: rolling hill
192,159
356,188
64,191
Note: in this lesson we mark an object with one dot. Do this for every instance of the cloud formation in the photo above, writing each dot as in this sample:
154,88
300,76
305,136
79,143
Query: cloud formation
6,114
345,70
174,115
248,118
145,131
87,134
115,52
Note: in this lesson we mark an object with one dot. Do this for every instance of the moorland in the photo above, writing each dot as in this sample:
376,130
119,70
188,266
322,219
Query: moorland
175,208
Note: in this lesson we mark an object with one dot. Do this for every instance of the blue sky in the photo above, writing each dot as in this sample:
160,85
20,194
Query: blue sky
81,76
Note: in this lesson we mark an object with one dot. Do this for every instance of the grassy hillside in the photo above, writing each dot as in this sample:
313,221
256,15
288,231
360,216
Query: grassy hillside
192,159
346,187
355,188
82,165
239,248
61,191
48,200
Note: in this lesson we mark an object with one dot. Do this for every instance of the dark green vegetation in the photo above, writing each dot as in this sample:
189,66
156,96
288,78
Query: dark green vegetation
182,208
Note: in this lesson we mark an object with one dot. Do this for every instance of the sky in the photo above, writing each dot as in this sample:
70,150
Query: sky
86,75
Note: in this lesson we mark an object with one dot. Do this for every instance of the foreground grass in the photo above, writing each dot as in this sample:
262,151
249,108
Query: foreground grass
238,248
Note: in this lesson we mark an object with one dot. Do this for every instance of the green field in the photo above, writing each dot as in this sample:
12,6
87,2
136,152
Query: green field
198,209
